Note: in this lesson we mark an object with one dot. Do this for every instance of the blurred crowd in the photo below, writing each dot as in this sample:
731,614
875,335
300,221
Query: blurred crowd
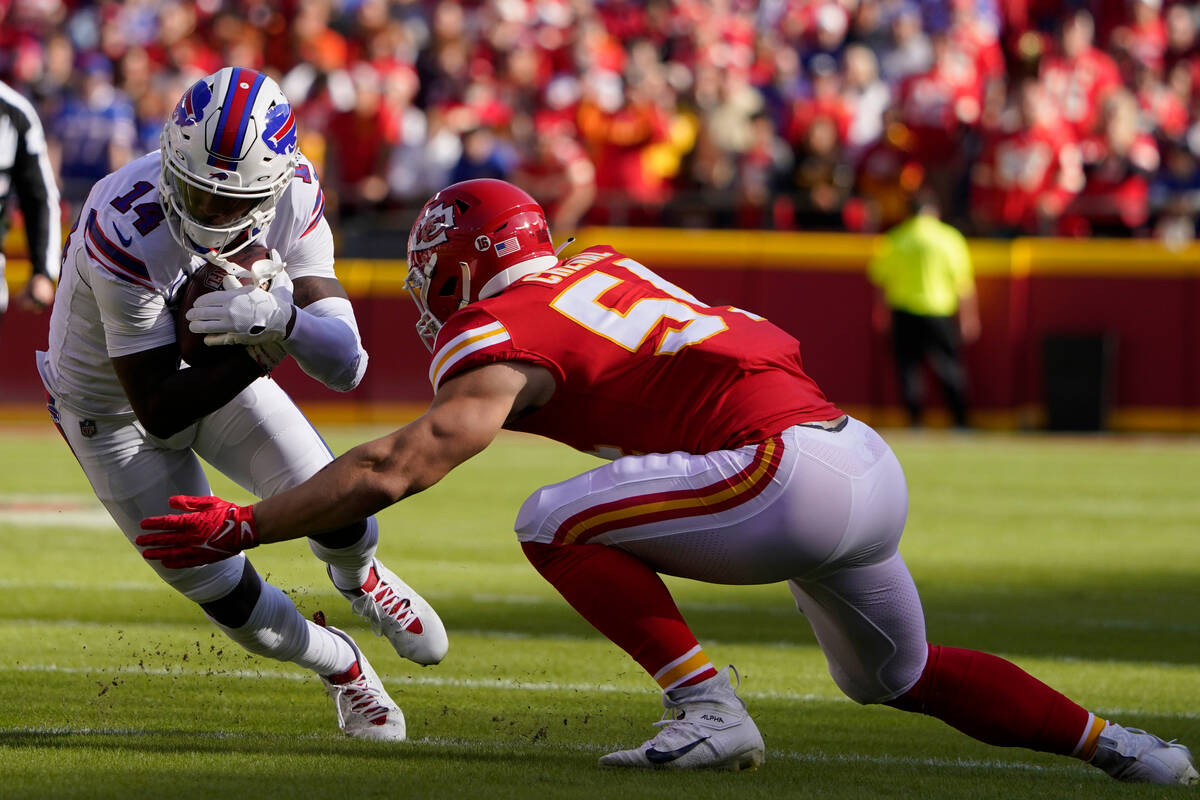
1060,117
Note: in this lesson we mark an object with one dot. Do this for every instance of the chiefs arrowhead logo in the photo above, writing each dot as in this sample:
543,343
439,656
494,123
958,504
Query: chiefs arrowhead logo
434,228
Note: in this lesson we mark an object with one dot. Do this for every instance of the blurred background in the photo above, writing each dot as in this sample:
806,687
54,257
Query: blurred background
1034,127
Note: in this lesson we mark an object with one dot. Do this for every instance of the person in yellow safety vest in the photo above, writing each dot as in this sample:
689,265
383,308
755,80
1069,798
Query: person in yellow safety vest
925,296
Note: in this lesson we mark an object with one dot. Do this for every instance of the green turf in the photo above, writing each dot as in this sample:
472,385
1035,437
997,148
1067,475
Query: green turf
1078,558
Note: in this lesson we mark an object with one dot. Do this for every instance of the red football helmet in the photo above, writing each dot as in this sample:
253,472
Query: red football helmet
471,241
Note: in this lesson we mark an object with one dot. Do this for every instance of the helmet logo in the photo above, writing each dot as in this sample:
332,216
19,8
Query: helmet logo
221,176
432,229
482,243
190,108
509,245
279,131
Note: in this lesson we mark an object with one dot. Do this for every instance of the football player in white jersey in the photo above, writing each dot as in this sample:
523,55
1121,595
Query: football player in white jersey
138,420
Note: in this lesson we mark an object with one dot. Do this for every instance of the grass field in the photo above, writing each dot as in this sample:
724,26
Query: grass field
1077,558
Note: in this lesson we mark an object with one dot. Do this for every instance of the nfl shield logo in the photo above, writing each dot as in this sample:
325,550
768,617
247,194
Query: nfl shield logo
87,427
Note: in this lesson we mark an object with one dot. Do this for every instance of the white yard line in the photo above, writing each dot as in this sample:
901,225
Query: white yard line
503,684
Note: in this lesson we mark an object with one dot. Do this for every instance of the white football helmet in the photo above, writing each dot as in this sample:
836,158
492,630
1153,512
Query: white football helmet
228,153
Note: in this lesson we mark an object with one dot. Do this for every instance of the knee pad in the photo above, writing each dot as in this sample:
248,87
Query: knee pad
530,519
206,583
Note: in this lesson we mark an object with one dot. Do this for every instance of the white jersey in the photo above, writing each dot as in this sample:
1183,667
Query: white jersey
122,269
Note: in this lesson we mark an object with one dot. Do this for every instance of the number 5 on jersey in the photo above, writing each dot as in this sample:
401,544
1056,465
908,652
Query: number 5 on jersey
629,329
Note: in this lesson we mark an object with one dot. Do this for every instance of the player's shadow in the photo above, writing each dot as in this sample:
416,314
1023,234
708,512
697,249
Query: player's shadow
1139,617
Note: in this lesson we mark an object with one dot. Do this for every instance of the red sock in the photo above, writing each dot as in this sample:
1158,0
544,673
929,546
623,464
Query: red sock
997,702
628,602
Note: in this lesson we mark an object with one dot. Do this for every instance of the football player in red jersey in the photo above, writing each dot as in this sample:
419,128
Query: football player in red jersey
730,466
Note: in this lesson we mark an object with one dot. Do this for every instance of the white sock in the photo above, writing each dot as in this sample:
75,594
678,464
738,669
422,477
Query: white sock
275,629
350,566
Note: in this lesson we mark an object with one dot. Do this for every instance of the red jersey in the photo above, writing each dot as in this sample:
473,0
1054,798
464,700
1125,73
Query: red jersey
1078,87
641,366
1018,171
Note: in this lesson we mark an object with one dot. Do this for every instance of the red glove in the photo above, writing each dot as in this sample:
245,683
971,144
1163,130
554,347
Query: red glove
214,530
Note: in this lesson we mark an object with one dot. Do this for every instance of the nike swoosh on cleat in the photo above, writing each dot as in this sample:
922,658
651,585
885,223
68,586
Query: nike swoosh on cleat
660,757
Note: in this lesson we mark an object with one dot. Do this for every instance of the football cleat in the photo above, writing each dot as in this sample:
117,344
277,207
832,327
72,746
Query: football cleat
705,726
1134,756
399,614
364,709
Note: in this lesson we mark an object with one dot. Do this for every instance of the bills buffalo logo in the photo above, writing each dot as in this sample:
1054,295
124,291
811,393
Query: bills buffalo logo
220,176
279,131
433,228
190,108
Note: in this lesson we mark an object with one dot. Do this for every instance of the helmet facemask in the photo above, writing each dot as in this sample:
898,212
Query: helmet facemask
228,153
421,267
211,219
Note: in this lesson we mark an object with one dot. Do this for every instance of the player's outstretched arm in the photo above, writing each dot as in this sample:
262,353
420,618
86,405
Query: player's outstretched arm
465,416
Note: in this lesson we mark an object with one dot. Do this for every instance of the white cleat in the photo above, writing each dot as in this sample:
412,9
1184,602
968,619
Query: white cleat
1132,755
364,709
403,617
705,726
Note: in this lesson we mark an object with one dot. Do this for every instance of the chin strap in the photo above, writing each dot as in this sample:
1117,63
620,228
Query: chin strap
466,284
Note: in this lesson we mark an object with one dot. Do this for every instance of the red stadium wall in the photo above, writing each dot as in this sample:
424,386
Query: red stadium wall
1146,298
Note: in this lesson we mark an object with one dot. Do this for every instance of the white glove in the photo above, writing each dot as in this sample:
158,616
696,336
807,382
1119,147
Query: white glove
245,315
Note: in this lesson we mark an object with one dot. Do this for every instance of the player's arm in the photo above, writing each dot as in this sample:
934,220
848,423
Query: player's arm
323,333
465,416
167,399
38,194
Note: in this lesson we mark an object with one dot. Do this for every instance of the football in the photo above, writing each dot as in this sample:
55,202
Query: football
210,278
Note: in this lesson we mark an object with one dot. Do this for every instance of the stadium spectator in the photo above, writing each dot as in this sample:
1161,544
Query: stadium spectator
25,169
1117,167
94,131
559,174
1174,195
761,177
362,139
138,421
925,298
909,52
821,181
748,475
1027,171
617,128
1078,76
868,97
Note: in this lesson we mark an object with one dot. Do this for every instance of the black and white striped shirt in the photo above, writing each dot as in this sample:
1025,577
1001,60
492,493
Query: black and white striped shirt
25,168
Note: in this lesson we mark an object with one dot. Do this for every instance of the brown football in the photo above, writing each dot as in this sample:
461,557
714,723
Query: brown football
209,278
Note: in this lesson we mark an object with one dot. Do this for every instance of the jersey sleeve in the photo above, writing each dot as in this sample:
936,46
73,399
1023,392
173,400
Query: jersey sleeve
133,311
306,243
37,192
472,338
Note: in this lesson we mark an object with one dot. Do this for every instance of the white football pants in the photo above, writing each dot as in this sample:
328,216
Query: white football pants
820,509
260,439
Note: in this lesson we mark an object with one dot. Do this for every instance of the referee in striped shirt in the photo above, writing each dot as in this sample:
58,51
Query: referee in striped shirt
25,169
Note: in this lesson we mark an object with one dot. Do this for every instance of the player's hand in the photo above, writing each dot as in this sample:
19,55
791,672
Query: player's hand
38,293
212,530
267,355
246,315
